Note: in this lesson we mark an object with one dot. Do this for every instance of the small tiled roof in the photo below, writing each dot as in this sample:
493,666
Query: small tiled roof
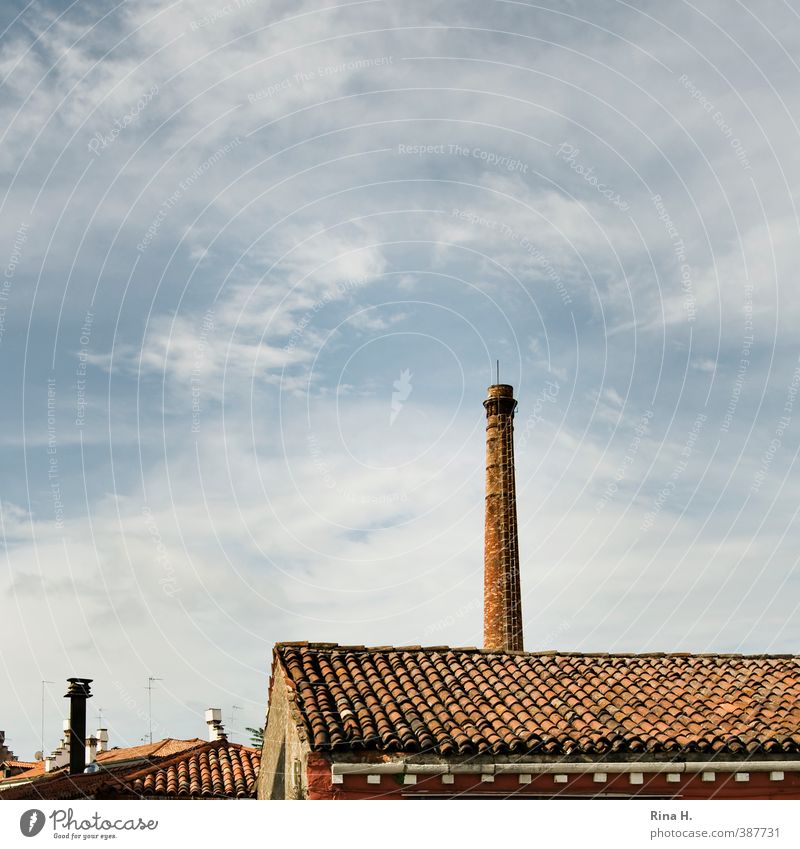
19,764
220,769
34,771
62,785
158,749
452,701
147,752
200,769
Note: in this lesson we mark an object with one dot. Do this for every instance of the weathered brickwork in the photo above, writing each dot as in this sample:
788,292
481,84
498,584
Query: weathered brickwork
502,605
283,765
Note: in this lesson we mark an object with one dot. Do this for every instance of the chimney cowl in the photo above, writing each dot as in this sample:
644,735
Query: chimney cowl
78,687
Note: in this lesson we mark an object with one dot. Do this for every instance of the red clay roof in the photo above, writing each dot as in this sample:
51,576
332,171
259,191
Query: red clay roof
219,769
111,757
468,701
34,771
216,769
62,785
161,748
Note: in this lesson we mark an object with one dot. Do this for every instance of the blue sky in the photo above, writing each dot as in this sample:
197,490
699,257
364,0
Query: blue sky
229,229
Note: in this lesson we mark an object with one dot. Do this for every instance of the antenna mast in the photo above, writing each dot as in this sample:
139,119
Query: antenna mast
43,685
149,689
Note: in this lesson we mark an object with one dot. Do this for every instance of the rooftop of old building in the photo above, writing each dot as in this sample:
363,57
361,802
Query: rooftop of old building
467,701
165,769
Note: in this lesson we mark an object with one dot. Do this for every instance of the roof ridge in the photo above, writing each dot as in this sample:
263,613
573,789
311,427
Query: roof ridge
540,653
167,740
156,743
168,760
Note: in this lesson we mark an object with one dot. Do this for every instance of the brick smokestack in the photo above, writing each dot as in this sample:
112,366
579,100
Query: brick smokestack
502,605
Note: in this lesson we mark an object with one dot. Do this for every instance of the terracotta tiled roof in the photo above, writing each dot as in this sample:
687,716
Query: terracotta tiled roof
219,769
34,771
19,764
62,785
200,769
159,749
468,701
147,752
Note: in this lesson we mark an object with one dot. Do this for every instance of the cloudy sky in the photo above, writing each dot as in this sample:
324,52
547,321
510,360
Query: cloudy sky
257,261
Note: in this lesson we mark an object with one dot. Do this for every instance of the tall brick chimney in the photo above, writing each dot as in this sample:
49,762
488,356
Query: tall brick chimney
502,604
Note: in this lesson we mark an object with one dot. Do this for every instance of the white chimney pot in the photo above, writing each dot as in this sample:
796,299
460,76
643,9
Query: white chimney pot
102,740
214,722
91,750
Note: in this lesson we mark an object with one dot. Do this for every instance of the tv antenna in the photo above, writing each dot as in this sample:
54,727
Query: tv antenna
149,689
43,687
234,708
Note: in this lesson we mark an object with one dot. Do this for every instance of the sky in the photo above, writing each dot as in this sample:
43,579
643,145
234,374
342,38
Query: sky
257,264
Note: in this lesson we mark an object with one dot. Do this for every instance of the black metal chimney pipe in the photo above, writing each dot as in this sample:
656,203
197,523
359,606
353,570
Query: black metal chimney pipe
77,693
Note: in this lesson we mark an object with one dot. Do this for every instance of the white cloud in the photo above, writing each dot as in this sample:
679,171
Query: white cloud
291,279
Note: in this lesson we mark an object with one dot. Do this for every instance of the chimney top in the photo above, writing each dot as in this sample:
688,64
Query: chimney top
214,722
78,687
102,739
91,751
500,399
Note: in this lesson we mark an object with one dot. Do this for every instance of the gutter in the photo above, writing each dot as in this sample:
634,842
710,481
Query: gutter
402,767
